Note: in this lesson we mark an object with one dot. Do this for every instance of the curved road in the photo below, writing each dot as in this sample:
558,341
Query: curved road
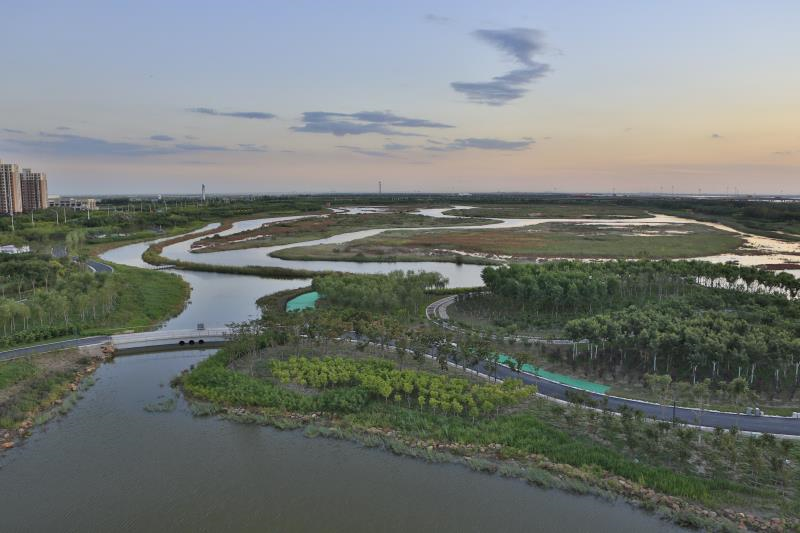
52,347
778,425
97,266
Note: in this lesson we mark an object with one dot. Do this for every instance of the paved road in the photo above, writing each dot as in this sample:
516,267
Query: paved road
97,266
778,425
52,346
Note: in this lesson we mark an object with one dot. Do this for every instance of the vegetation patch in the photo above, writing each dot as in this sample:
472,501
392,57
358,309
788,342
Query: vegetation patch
374,402
551,240
307,229
37,388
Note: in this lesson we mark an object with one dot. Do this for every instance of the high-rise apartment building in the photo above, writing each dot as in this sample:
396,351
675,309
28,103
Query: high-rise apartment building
33,186
10,192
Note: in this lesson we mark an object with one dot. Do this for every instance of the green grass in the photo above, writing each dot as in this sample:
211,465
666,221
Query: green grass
12,372
41,390
525,433
150,297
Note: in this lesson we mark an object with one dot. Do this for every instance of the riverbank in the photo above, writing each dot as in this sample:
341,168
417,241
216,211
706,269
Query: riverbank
38,388
570,448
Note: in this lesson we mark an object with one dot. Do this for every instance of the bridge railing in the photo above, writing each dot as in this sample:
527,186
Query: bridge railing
175,334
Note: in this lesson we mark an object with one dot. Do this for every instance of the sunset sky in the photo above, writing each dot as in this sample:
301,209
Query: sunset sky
640,96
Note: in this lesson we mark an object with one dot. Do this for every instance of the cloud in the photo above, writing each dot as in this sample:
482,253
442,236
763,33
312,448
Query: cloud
786,152
521,44
189,147
716,136
396,146
63,128
252,147
10,130
436,19
481,144
72,145
163,138
253,115
362,151
63,144
382,122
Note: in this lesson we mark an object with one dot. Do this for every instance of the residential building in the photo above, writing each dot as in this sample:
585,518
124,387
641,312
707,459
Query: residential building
10,192
34,190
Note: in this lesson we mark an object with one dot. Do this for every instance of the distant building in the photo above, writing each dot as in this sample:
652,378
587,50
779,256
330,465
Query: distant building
11,249
10,192
82,204
33,186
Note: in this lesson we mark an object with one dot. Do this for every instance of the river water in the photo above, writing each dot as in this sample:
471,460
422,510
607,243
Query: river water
109,465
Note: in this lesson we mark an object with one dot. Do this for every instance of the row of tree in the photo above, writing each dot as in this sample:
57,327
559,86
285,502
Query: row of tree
571,286
61,296
397,292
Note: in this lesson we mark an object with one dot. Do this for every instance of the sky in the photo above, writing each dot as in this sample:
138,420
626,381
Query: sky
315,97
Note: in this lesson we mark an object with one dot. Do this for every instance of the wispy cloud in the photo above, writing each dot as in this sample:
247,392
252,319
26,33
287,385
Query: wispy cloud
436,19
63,144
521,44
77,145
252,115
252,147
480,144
396,146
189,147
363,151
786,152
716,136
162,138
10,130
381,122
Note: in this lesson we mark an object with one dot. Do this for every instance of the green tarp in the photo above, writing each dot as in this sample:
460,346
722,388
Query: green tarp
305,301
560,378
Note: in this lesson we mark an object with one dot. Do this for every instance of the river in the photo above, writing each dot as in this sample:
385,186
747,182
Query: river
109,465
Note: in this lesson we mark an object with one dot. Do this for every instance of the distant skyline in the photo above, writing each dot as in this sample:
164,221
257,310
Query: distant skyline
314,97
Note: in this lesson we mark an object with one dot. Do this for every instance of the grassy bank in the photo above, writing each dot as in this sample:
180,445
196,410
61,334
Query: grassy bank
309,229
153,256
664,468
275,303
331,252
555,240
37,388
552,210
147,298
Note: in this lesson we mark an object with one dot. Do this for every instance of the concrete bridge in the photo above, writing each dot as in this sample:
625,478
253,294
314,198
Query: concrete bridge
179,338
